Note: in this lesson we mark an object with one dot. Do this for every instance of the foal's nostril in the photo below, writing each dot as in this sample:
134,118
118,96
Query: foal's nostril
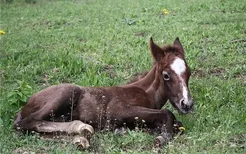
191,106
183,105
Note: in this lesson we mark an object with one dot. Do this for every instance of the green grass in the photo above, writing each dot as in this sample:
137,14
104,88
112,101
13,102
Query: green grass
104,43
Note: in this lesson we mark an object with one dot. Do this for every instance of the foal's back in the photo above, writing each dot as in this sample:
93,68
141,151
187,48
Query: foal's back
67,102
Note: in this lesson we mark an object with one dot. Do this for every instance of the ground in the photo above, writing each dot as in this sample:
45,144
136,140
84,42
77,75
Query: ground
104,43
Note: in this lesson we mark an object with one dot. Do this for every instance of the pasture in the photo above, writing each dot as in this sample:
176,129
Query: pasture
105,43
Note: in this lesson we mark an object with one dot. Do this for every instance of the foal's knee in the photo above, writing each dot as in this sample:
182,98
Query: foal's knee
168,124
169,115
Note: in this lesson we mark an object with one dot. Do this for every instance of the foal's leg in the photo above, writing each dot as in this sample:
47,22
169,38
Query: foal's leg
75,127
53,100
160,120
154,118
76,130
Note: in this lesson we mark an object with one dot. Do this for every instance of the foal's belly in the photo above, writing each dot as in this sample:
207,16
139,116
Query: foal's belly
98,106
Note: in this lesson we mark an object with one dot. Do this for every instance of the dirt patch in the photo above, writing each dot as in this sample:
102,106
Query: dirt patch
239,141
217,72
109,69
241,77
198,73
82,40
44,78
238,41
140,34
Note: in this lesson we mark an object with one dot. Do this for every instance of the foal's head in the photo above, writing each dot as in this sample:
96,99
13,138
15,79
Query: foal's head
173,73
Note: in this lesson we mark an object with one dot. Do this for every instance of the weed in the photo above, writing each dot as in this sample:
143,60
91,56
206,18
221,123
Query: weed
18,97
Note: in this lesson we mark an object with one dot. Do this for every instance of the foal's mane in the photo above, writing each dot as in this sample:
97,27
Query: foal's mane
171,49
138,76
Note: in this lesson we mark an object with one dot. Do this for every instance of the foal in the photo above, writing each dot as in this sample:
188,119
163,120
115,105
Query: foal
77,110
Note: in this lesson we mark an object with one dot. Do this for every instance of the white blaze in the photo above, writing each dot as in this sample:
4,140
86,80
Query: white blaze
178,66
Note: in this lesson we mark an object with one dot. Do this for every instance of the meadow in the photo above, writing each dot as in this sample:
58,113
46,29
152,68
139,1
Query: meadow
105,43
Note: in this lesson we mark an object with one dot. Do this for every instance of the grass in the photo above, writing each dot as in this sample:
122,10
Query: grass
104,43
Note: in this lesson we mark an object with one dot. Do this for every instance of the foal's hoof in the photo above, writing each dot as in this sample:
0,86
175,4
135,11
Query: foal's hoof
120,131
160,141
81,142
78,127
86,130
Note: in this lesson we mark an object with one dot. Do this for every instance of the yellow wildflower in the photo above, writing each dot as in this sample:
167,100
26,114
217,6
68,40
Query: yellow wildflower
165,11
2,32
182,128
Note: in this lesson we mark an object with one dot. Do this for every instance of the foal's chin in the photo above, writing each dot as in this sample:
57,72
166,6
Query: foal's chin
180,110
184,112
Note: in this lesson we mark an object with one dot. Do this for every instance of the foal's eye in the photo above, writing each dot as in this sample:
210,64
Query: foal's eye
165,76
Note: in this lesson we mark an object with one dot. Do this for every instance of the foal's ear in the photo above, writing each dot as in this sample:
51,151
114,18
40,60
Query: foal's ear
156,51
178,44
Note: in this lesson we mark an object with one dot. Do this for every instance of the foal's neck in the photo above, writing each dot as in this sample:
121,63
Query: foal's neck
152,85
145,82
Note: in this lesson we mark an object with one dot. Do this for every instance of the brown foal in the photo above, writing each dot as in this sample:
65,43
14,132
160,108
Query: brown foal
76,110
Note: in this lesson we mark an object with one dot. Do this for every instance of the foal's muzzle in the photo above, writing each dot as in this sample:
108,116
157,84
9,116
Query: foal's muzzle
186,105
